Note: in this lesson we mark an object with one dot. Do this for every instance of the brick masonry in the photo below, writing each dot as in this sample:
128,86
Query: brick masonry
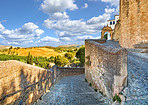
105,67
134,22
22,83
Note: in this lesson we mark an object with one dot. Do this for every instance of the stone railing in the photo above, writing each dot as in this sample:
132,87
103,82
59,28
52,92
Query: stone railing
105,67
22,83
66,71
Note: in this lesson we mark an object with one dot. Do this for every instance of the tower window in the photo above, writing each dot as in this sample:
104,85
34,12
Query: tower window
113,22
110,23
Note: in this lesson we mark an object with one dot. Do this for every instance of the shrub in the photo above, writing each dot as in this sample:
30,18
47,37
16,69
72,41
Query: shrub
101,92
95,90
117,98
85,80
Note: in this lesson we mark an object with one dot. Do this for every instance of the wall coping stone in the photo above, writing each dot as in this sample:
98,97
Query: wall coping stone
104,47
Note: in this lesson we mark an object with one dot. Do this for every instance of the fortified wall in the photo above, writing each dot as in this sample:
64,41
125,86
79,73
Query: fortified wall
23,84
134,22
105,66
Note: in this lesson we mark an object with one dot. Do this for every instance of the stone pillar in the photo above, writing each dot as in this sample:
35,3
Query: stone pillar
120,81
55,72
102,35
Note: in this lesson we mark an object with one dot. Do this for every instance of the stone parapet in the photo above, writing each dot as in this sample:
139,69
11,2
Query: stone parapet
23,84
66,71
105,67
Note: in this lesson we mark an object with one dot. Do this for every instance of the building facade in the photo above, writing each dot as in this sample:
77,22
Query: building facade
112,23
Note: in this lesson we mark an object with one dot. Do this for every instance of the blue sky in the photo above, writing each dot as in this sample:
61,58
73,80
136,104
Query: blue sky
27,23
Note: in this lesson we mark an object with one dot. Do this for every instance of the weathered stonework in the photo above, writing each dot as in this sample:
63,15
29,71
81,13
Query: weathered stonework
105,67
117,32
107,29
22,83
66,71
134,22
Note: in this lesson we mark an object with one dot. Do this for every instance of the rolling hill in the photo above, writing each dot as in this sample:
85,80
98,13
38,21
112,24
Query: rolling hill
45,51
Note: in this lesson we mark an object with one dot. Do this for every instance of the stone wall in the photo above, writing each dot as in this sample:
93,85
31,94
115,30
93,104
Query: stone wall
105,67
66,71
22,83
134,22
117,32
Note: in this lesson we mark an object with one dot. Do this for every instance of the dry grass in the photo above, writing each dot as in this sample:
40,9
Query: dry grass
44,52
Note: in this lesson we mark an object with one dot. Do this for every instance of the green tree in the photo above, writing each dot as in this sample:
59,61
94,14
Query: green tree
81,55
51,59
105,36
69,56
61,61
29,59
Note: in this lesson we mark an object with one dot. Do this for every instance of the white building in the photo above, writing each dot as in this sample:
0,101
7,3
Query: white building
111,23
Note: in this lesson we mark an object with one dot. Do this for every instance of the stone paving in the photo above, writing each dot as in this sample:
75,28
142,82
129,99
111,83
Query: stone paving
137,90
73,90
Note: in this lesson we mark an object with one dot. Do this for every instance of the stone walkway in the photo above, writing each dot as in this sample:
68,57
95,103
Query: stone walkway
137,90
73,90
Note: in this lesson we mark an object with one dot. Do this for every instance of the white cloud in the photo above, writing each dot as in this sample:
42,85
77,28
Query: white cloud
53,6
85,5
65,38
70,28
48,39
1,27
109,10
86,37
26,34
112,2
59,16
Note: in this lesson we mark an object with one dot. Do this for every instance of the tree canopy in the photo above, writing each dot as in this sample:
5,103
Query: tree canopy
81,55
61,61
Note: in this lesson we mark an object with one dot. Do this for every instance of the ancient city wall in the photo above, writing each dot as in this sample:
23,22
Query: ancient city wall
134,22
105,67
66,71
22,83
117,32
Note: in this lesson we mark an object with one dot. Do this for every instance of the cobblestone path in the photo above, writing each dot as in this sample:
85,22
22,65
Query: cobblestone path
137,90
73,90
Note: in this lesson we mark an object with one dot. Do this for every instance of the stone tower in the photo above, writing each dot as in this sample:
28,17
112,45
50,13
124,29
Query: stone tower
134,22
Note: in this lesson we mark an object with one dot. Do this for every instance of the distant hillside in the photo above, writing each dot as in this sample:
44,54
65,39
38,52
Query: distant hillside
70,46
44,51
4,47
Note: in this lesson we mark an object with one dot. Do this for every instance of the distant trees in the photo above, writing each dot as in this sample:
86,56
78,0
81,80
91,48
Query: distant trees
30,59
81,55
51,59
69,56
61,61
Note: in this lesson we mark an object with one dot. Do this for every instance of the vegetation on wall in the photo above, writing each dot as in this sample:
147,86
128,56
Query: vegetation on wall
116,98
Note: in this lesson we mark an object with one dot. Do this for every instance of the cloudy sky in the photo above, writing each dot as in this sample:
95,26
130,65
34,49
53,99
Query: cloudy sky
27,23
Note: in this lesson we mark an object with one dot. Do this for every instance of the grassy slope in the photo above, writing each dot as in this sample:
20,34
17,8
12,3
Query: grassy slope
44,52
